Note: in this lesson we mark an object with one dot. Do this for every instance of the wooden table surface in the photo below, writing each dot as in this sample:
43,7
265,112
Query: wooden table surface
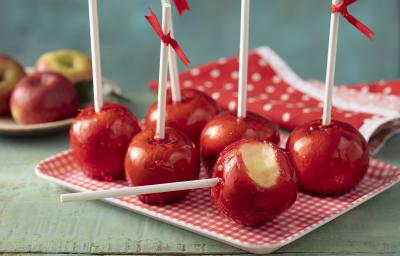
33,221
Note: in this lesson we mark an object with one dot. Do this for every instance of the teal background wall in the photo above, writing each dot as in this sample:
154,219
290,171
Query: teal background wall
296,29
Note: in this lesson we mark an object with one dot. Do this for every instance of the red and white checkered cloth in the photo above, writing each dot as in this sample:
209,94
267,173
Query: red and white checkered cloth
278,93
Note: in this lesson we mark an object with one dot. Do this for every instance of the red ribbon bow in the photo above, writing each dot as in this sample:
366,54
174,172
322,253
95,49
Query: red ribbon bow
166,38
181,6
342,8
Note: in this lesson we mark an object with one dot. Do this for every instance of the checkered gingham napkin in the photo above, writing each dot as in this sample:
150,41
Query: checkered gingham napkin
198,214
278,93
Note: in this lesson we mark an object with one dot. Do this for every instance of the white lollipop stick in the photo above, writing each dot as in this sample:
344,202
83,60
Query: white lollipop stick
141,190
330,67
243,58
162,78
96,61
173,65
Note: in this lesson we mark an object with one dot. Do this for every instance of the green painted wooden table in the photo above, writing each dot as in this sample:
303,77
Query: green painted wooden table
33,221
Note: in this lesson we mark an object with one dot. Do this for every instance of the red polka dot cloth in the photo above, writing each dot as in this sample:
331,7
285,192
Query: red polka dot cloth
198,214
278,93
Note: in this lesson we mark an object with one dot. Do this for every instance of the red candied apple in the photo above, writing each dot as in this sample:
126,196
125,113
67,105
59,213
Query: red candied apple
10,73
43,97
153,161
257,182
227,128
99,140
189,116
330,159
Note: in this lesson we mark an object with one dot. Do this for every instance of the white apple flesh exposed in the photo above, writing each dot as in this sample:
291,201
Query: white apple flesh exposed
257,182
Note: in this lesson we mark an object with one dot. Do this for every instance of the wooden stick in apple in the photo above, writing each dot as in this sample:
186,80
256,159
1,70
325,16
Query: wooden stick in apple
162,78
95,50
140,190
173,64
243,58
330,67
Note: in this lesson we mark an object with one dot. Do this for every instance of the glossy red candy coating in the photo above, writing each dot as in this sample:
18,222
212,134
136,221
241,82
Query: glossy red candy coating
242,199
152,161
226,128
189,116
99,141
329,160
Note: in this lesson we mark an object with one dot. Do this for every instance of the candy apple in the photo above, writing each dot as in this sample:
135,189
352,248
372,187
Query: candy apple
189,116
74,65
227,128
330,159
99,140
43,97
153,161
257,182
10,73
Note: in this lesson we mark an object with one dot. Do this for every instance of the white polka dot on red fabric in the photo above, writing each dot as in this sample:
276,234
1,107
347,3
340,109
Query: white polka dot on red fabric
270,89
276,79
195,71
251,99
387,90
306,110
250,87
256,77
232,105
286,117
290,90
267,107
300,105
215,73
201,88
234,75
320,105
187,83
290,105
263,96
222,60
305,98
215,95
348,115
262,63
228,86
208,84
284,97
364,89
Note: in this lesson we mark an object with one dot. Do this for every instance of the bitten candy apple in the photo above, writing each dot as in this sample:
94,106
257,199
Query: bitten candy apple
330,159
257,182
99,140
10,73
227,128
189,116
43,97
153,161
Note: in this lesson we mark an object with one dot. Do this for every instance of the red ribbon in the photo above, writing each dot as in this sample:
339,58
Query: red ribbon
181,6
166,38
342,9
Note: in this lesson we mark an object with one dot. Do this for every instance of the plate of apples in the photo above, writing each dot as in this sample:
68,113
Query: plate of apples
46,97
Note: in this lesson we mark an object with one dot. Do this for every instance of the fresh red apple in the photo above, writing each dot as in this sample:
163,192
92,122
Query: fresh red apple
227,128
329,160
43,97
74,65
153,161
257,182
189,116
99,141
10,73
